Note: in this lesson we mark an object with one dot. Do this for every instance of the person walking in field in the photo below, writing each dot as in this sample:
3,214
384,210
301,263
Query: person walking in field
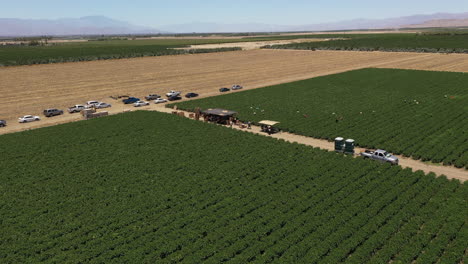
249,125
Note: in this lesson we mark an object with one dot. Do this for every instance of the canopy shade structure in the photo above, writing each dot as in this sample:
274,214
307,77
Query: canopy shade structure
218,112
268,122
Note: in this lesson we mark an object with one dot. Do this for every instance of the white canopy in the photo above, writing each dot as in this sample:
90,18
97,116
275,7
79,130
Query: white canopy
268,122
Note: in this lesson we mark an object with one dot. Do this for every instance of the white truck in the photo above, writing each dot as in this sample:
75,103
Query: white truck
173,94
380,155
77,108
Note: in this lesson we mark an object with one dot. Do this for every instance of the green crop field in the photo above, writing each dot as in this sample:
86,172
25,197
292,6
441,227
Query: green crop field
116,48
429,42
415,113
450,41
100,50
147,187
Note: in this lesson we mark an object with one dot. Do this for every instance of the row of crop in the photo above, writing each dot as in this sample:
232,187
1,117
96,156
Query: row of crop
407,217
321,241
241,221
346,48
387,42
315,221
104,201
107,56
431,230
284,223
395,212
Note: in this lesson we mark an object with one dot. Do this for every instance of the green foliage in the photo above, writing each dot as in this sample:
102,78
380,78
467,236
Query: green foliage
147,187
99,50
428,42
415,113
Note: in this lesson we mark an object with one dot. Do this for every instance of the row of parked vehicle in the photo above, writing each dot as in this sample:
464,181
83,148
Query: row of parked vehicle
234,87
55,112
88,105
171,96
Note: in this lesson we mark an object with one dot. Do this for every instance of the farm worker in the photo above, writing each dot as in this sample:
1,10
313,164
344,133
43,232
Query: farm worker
249,125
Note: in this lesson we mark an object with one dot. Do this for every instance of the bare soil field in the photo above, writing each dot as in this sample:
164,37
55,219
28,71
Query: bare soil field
252,45
30,89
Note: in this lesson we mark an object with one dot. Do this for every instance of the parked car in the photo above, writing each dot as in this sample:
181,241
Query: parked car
2,123
92,103
102,105
160,100
52,112
130,100
380,155
224,89
190,95
28,118
236,87
140,103
152,97
173,93
174,98
76,108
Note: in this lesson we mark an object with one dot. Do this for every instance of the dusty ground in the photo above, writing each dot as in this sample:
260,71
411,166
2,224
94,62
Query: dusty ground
30,89
252,45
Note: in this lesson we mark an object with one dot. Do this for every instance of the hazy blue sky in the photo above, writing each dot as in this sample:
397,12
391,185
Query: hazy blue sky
292,12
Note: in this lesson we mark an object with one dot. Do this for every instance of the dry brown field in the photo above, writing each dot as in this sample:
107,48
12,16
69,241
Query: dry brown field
254,44
30,89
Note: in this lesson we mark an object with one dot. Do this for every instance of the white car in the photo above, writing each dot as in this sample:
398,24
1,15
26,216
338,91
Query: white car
236,87
102,105
92,103
173,93
160,100
140,103
28,118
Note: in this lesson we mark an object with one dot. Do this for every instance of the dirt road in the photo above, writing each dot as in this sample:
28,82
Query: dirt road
449,171
118,107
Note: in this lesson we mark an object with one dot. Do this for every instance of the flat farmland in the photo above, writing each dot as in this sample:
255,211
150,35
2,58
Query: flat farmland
30,89
110,190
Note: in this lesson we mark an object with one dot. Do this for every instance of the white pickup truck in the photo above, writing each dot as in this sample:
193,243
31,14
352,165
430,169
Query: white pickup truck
77,108
173,94
380,155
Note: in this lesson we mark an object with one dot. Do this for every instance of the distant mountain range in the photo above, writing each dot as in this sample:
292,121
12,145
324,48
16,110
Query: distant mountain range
441,23
99,25
388,23
90,25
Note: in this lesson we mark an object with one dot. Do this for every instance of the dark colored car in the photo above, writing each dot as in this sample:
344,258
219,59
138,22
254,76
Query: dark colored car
224,89
190,95
130,100
52,112
174,98
2,123
152,97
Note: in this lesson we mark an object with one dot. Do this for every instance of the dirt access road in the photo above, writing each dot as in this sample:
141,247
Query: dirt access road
449,171
30,89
